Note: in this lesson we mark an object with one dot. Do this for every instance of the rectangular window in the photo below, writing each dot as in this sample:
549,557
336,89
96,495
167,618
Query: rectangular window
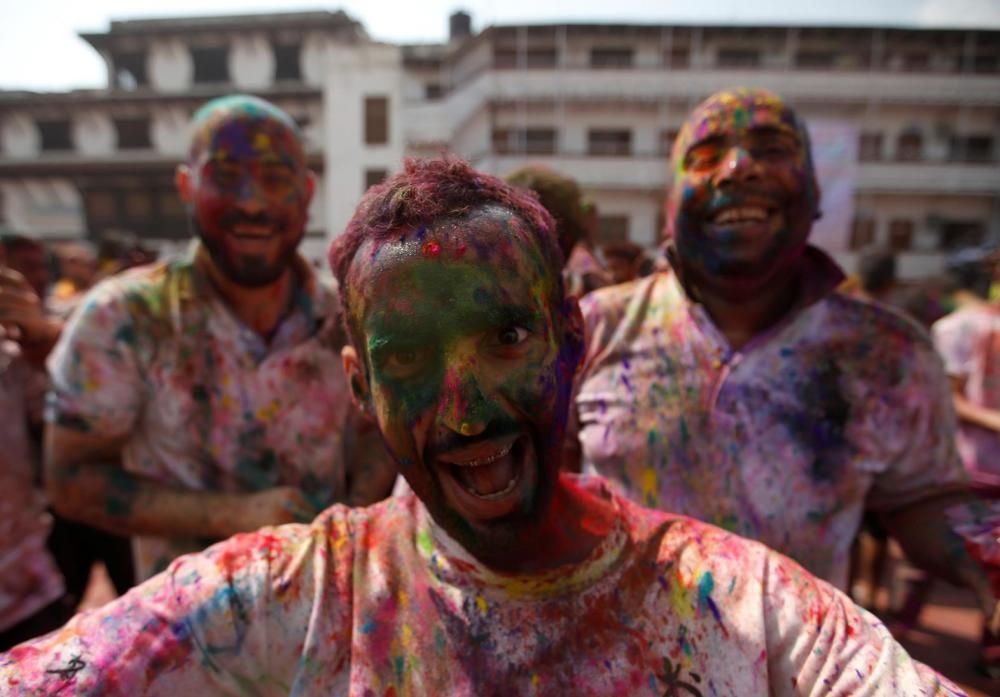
138,205
815,60
211,65
971,149
870,147
862,232
677,57
910,147
900,235
535,57
609,142
375,176
101,205
133,134
608,57
286,63
959,235
667,139
433,90
130,70
55,135
376,120
916,62
612,228
738,58
985,63
531,141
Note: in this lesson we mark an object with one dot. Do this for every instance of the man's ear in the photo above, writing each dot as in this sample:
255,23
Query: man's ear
310,186
182,179
356,379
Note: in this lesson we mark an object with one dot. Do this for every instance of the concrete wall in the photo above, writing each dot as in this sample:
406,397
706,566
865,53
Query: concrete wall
171,68
251,62
353,73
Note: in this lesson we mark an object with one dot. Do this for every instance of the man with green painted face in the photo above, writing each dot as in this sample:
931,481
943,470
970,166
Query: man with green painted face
742,389
497,574
203,396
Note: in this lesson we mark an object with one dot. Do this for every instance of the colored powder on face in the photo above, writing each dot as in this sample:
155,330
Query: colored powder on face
431,249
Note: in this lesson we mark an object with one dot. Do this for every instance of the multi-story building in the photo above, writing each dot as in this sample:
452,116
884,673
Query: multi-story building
906,122
85,162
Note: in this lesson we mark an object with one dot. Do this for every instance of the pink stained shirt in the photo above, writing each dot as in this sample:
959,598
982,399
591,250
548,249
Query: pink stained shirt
155,358
842,405
969,342
379,601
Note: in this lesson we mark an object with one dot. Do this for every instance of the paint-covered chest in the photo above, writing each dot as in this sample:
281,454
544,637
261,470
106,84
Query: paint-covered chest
647,630
214,411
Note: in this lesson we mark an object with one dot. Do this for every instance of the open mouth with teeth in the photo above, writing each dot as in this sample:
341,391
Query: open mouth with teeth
749,218
488,480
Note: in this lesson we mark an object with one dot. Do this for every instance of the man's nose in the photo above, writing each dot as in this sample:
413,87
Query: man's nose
465,409
737,166
251,195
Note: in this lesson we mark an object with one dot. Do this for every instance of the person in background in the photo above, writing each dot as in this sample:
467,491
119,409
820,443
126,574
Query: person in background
76,546
576,222
77,272
203,395
497,574
743,390
32,594
624,260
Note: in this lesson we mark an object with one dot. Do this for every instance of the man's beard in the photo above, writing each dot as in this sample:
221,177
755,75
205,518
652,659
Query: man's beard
247,270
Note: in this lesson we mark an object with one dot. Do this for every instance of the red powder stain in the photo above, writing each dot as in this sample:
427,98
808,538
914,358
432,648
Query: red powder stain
431,249
850,631
460,250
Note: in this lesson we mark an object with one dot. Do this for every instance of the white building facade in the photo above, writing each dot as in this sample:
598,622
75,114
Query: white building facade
905,122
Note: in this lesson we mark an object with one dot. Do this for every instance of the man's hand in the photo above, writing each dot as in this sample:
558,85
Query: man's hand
22,316
277,506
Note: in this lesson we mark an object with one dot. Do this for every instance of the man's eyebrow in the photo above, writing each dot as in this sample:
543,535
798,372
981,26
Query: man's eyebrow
714,139
771,129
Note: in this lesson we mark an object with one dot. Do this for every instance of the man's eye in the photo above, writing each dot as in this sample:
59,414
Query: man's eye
404,362
701,158
512,336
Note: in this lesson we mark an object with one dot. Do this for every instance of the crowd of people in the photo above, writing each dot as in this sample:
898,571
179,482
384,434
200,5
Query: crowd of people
491,457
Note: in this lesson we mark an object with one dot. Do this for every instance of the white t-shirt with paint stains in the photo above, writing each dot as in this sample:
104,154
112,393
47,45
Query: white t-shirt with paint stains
841,406
379,602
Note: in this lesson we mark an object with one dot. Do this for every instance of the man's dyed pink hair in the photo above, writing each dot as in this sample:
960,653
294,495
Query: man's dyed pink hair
427,192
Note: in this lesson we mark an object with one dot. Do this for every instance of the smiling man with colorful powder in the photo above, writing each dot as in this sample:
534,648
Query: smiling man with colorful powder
204,396
497,574
742,390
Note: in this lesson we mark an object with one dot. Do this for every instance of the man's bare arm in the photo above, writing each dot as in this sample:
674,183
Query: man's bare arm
923,532
970,412
85,481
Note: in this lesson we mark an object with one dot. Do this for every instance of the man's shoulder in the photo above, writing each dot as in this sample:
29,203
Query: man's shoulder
862,321
139,291
609,299
969,319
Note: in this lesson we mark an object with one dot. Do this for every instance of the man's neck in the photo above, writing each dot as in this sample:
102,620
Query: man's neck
740,319
259,308
576,522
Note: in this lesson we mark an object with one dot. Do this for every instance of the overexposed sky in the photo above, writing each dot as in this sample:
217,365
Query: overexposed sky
40,49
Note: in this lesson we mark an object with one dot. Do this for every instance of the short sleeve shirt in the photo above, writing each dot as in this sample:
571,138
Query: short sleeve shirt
379,601
843,404
154,357
969,342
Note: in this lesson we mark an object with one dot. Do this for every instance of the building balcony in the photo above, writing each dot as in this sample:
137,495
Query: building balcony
649,172
929,177
802,86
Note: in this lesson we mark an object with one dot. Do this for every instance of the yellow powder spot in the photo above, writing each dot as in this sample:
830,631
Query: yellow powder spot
481,604
262,141
648,484
535,680
407,637
680,598
404,600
